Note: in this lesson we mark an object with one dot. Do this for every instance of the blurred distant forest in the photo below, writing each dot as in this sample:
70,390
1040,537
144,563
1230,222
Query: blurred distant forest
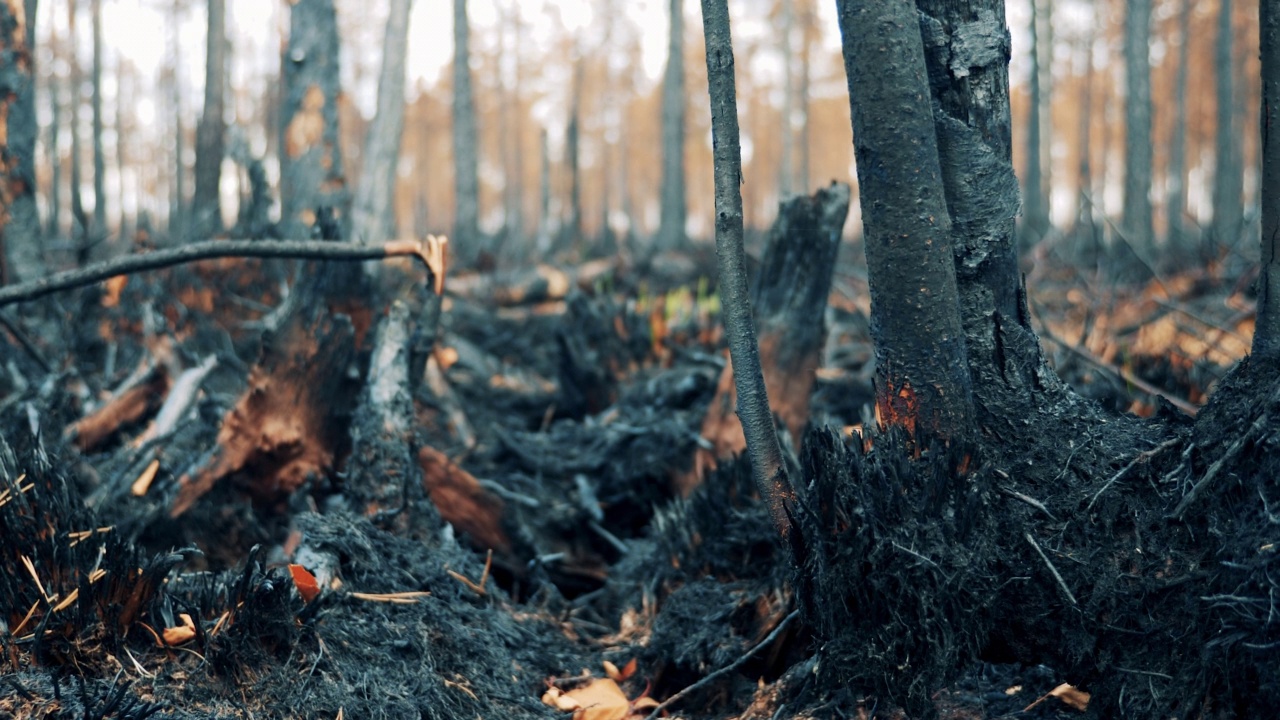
145,125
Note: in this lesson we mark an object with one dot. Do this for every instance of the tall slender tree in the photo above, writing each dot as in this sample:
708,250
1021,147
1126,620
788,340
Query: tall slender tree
311,171
373,215
1137,222
99,152
55,134
1035,211
466,149
786,169
177,162
1175,202
673,208
1228,176
206,205
1266,337
20,247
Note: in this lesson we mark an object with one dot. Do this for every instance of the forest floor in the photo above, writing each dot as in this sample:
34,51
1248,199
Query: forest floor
203,519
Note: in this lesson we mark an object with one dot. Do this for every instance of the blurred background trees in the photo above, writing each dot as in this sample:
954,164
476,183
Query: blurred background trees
591,132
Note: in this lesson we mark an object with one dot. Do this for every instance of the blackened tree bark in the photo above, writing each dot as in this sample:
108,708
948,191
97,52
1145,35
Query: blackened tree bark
206,206
1175,202
55,132
373,216
753,402
466,149
1035,213
99,154
311,173
674,210
544,194
20,247
786,162
177,163
922,378
802,94
1136,222
1266,337
1228,178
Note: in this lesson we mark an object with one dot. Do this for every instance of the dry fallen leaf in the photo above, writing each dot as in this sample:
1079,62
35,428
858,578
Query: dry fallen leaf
611,670
1068,694
181,633
600,700
306,583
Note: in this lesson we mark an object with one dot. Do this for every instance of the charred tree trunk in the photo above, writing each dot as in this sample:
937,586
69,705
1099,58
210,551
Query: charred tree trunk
206,206
787,160
572,231
922,379
753,402
1136,222
177,165
1266,338
1175,202
99,154
20,246
311,173
466,149
671,228
544,196
1228,178
373,217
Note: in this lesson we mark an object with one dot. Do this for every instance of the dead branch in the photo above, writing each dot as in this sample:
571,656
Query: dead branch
426,251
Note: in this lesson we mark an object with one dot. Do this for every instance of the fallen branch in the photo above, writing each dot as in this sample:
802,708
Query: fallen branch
429,251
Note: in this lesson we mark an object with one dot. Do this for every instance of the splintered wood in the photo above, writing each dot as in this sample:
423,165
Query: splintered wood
462,501
282,428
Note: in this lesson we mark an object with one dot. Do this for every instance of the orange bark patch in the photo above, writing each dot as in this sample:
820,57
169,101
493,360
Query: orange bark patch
788,389
278,432
897,407
126,408
461,501
307,126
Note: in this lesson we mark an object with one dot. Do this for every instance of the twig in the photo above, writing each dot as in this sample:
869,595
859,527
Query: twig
1056,576
727,668
1145,455
22,292
1258,426
26,344
1028,500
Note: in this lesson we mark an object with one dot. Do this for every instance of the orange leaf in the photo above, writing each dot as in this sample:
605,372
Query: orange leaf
182,633
629,669
306,583
600,700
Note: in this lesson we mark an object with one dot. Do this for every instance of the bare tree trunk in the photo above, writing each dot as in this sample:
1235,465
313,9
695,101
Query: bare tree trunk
99,154
79,220
466,149
572,230
178,188
311,175
1266,338
1085,229
55,150
753,403
1137,125
786,161
206,205
1227,175
373,216
1035,217
544,204
20,251
674,209
1175,203
803,171
125,78
922,378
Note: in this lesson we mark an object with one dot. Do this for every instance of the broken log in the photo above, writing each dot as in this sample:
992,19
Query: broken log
789,300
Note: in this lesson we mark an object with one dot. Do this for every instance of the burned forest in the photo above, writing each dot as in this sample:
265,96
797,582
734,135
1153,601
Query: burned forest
901,359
